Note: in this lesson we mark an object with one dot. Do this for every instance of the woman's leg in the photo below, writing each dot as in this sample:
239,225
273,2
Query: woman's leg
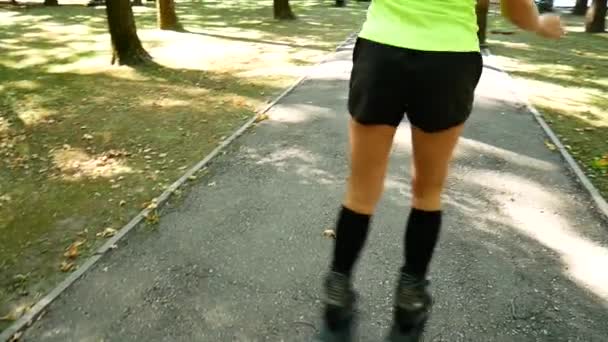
370,147
432,153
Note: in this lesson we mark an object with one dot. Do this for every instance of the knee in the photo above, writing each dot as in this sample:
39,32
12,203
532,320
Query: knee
427,189
363,201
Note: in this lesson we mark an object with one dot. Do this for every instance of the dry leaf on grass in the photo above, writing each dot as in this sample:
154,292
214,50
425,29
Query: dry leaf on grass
107,233
72,251
152,205
261,117
67,266
15,313
601,163
152,217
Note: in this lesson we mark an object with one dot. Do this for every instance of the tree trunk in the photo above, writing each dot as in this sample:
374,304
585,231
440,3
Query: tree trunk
51,3
581,7
596,17
481,9
126,47
137,3
282,10
167,18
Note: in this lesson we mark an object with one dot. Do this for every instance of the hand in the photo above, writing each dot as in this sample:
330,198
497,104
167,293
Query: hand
550,26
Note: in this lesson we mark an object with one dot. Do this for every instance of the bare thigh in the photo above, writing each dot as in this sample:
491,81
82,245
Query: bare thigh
432,153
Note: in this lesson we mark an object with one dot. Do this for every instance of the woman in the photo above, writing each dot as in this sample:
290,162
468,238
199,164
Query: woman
418,58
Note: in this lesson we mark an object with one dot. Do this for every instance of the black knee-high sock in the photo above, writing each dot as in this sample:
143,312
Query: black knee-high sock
351,233
422,233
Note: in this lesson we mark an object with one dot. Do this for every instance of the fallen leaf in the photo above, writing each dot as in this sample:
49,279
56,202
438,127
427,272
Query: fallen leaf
15,313
152,217
107,233
601,163
122,203
87,137
329,233
261,117
67,266
550,146
72,252
192,178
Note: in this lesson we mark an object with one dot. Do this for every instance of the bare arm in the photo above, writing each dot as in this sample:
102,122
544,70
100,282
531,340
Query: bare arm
524,14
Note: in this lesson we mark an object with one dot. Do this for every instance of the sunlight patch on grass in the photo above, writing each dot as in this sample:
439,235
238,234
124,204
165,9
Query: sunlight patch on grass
512,45
32,115
76,164
25,84
567,80
553,69
4,126
570,104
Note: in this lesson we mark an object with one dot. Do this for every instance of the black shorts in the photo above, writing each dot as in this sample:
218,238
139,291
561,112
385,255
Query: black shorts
434,89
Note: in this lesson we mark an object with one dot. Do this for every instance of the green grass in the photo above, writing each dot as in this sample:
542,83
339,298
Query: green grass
83,145
567,80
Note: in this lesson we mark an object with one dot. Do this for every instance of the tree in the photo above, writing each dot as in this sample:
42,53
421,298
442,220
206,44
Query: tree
51,3
596,17
137,3
167,18
282,10
126,46
481,9
580,8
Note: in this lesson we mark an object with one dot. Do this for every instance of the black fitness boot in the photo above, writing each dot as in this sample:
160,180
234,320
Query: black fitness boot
339,312
412,308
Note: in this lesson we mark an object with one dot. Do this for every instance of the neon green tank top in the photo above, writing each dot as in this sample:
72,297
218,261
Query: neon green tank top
427,25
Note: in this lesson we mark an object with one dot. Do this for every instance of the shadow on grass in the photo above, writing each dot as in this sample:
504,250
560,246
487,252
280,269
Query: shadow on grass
260,41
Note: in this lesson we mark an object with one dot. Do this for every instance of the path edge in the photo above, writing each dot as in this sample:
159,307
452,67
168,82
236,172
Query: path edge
600,203
13,332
